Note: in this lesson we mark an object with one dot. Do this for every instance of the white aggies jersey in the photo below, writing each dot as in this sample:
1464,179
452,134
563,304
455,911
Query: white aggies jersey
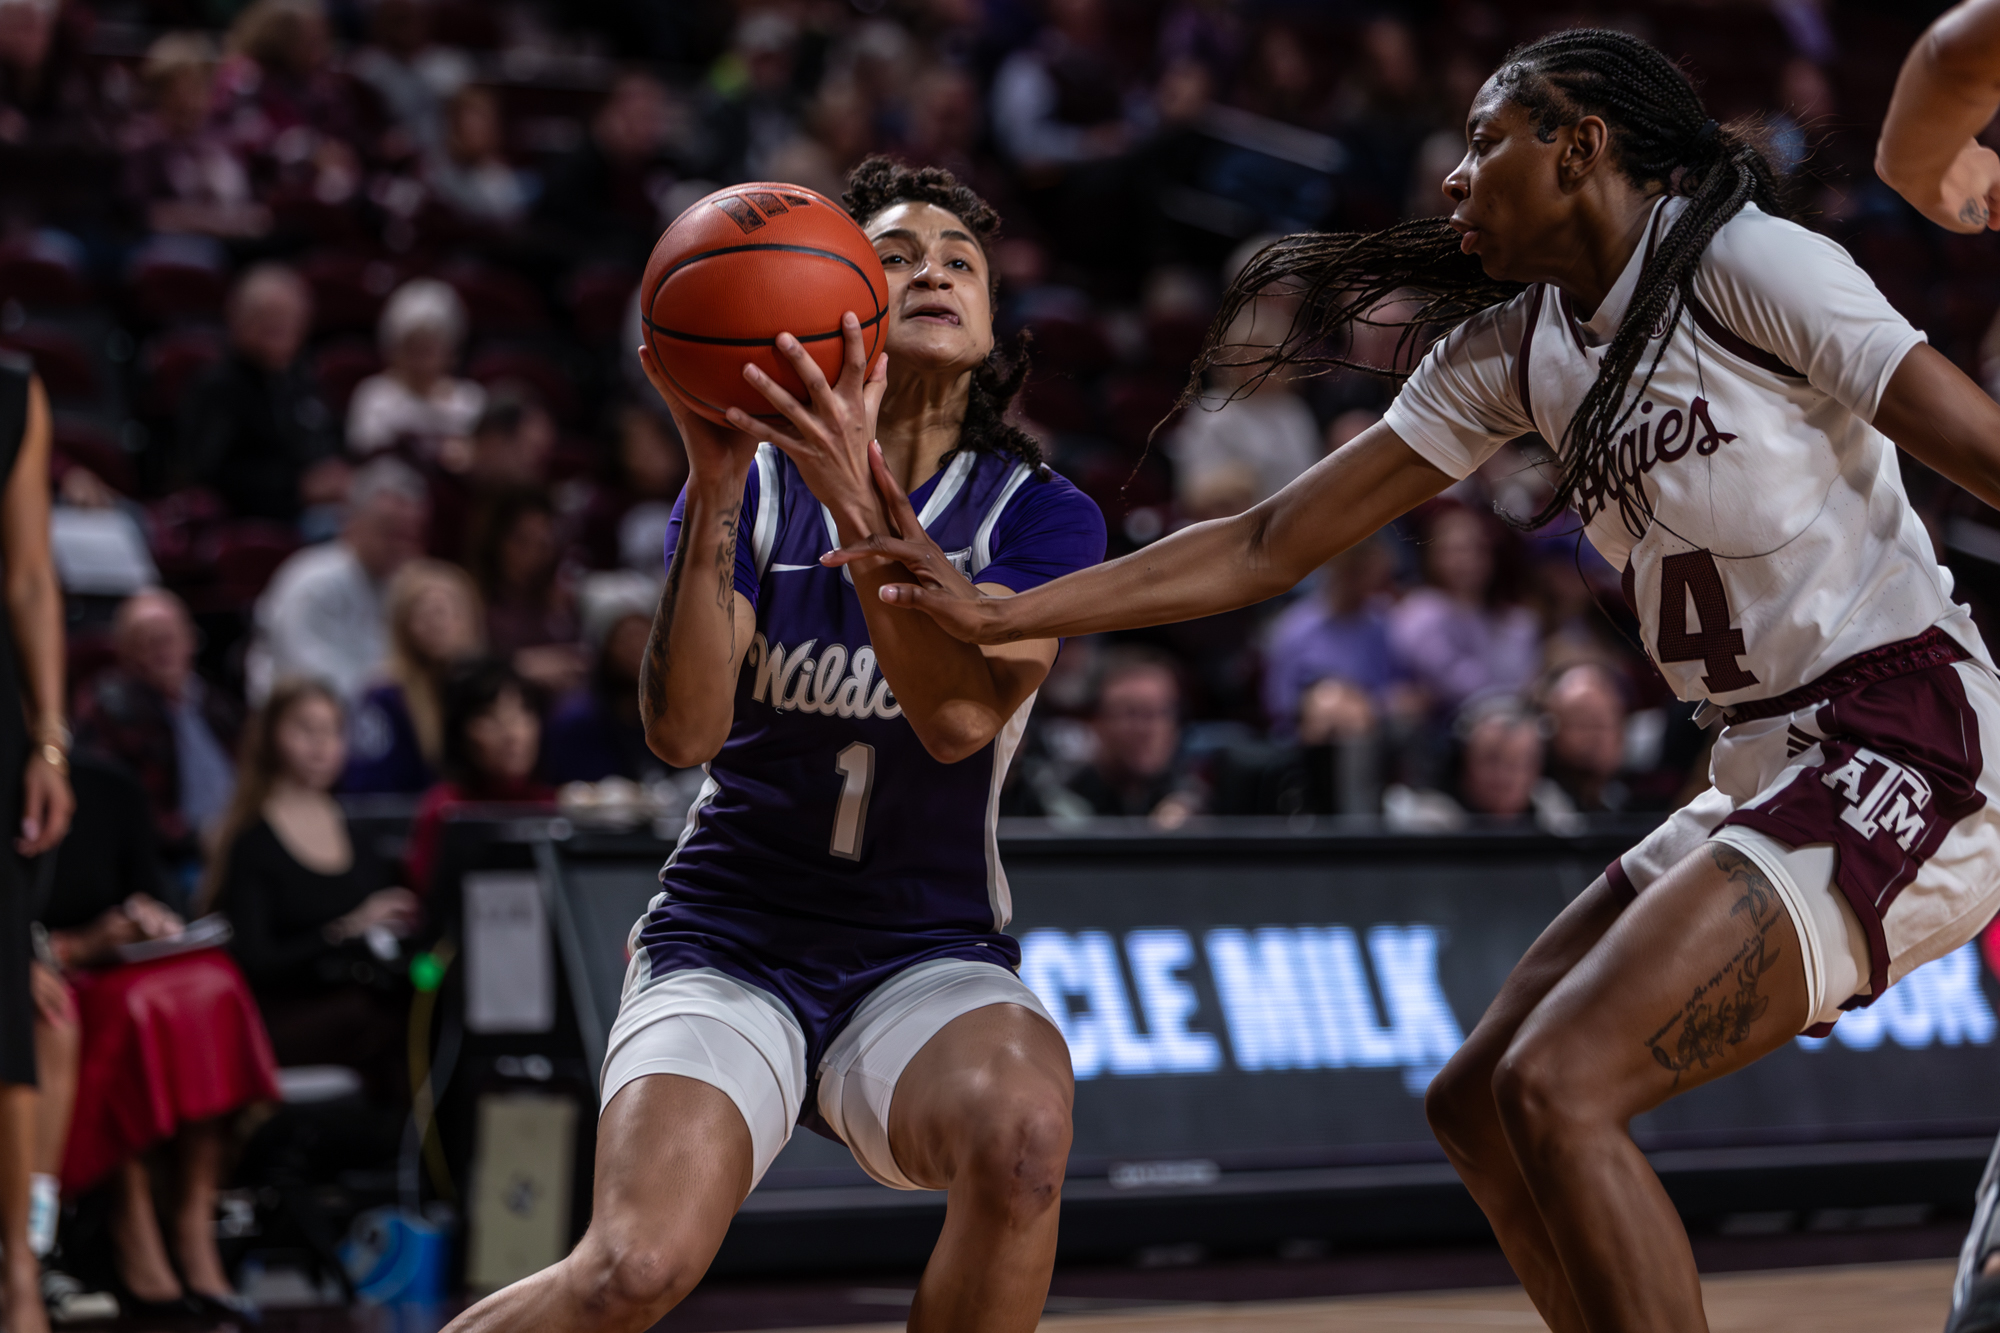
1781,541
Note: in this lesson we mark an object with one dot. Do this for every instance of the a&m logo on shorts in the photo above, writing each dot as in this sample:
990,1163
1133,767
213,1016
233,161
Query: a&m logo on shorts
1882,794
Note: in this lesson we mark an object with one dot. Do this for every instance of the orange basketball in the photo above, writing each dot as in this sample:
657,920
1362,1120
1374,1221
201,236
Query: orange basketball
739,268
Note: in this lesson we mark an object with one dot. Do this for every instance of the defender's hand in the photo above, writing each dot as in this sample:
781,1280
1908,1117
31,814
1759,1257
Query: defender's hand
940,591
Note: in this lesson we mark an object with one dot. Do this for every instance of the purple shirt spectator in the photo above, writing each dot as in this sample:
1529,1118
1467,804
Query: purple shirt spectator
1455,636
1460,652
1312,641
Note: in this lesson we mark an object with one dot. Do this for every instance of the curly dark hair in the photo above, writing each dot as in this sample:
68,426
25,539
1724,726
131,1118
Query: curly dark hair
1661,137
881,182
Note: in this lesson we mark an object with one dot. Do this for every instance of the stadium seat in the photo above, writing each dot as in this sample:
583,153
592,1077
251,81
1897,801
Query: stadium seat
1135,404
244,554
1072,346
348,289
598,296
41,276
1057,401
65,365
86,655
88,446
342,365
1173,342
496,301
541,373
168,290
173,360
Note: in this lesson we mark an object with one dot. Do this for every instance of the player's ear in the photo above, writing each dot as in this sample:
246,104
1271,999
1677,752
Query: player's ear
1585,147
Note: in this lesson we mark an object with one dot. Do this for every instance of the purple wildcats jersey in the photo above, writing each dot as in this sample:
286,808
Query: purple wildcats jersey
828,850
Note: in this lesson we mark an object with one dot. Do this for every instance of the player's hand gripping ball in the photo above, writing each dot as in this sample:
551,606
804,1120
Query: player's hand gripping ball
739,268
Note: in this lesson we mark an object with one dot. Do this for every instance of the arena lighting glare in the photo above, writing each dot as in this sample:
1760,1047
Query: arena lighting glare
1301,997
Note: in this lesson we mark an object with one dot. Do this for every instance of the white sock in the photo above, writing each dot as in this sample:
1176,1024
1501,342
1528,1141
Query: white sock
44,1209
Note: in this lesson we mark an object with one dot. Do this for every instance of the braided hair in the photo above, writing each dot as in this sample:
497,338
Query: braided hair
1660,138
881,182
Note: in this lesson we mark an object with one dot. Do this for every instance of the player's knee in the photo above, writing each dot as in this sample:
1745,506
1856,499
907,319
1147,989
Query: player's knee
1459,1102
1018,1153
1538,1093
632,1282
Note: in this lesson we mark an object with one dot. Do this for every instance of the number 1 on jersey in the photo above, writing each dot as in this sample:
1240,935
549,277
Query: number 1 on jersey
856,766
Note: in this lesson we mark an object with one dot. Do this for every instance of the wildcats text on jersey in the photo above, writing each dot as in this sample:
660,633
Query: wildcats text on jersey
833,685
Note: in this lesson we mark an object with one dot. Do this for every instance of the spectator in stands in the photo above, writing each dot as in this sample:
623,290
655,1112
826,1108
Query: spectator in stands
603,202
469,172
625,522
318,918
409,74
174,731
396,735
179,169
322,615
1457,636
754,121
1059,101
595,732
281,101
1495,774
1341,630
170,1049
1136,770
530,616
416,404
508,451
253,428
1586,712
48,88
492,746
1501,763
1246,440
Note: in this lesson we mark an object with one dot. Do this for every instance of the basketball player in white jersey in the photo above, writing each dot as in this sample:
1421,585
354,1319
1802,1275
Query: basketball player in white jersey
1947,93
1725,392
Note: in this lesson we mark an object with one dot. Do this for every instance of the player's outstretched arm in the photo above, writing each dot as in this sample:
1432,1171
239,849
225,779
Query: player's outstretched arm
1941,418
702,626
1200,571
1947,92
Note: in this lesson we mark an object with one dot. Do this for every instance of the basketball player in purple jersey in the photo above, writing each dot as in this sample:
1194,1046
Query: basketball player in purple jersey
827,948
1930,153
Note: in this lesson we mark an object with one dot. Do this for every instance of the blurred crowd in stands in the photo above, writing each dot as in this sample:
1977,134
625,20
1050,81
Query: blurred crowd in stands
362,492
335,303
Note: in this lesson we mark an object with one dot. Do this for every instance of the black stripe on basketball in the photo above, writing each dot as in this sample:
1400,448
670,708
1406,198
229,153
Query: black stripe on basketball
661,331
654,295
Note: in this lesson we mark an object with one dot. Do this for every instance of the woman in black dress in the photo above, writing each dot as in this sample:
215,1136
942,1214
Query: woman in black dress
34,780
317,922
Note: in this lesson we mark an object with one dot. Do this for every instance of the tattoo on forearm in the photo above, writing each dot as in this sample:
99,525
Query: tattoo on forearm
653,667
1722,1010
725,572
1973,213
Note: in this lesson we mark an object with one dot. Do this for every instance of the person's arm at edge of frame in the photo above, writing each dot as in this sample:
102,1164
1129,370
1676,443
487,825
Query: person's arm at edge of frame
1946,93
35,612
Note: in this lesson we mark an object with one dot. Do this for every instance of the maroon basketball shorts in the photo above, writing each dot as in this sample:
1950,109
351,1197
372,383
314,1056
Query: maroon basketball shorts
1873,813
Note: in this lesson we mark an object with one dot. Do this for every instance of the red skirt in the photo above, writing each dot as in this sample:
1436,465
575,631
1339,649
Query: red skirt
165,1044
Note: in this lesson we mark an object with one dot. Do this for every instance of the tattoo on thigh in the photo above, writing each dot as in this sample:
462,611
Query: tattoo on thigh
1722,1010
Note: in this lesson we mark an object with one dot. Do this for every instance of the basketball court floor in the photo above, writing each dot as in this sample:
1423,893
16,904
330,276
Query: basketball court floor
1861,1298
